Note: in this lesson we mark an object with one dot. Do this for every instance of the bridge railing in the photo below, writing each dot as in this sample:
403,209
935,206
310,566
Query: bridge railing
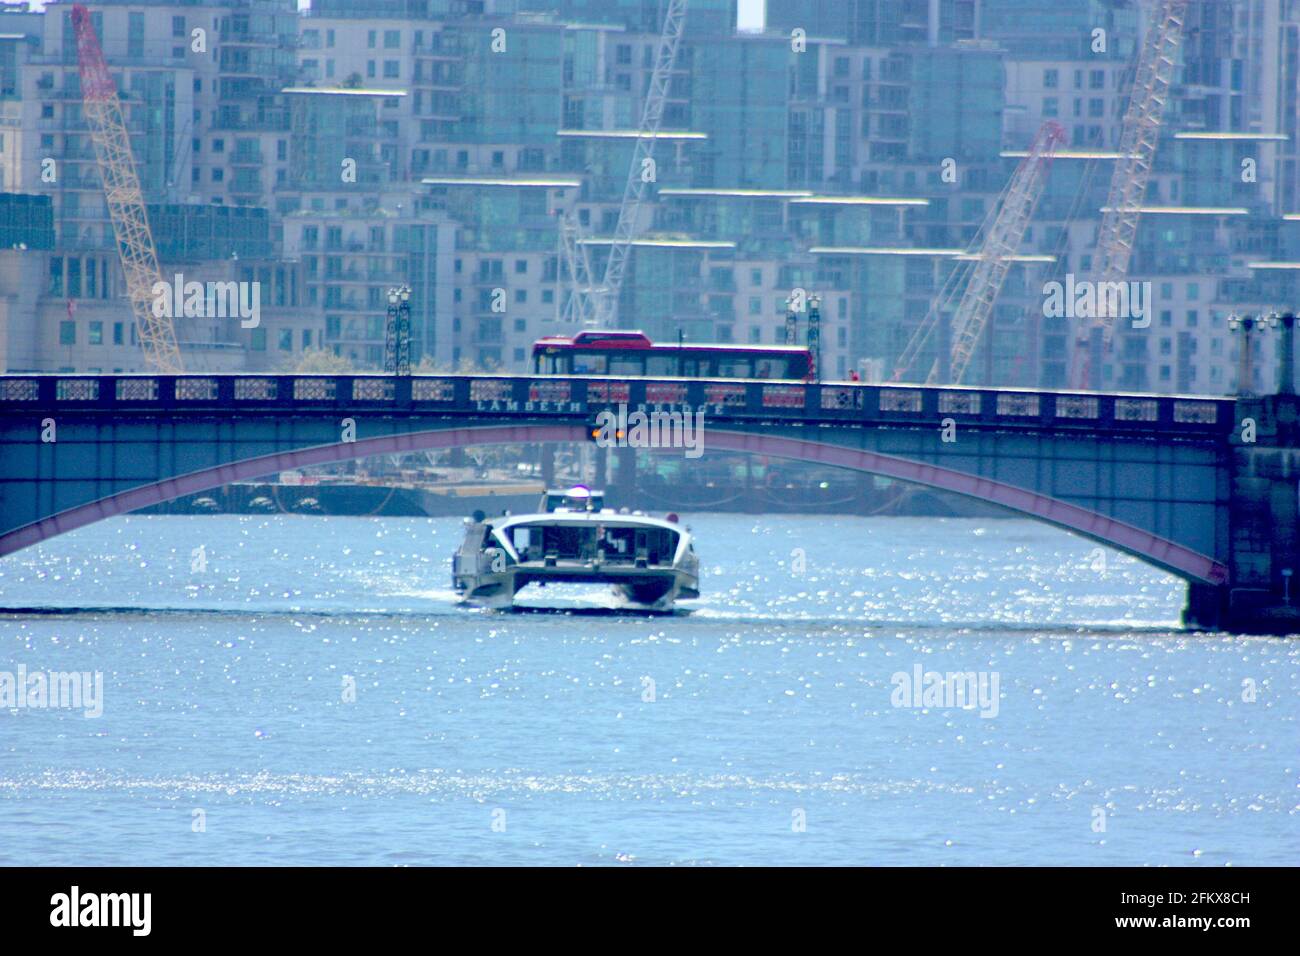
545,396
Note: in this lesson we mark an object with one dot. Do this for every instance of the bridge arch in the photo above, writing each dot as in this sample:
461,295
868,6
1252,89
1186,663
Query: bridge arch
1150,548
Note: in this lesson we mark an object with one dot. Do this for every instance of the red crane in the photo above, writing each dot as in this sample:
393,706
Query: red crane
135,246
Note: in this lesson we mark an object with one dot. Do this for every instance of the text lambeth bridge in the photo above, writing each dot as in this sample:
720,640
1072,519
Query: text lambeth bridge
1204,488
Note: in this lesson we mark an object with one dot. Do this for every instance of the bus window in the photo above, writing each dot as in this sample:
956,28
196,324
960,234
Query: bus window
734,368
626,365
691,367
661,366
771,368
585,363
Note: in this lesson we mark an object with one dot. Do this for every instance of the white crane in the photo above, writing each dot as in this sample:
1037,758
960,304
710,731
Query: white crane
1000,239
597,305
1128,184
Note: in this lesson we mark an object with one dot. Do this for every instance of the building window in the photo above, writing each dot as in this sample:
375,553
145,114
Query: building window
135,35
96,333
286,340
117,333
67,332
1051,79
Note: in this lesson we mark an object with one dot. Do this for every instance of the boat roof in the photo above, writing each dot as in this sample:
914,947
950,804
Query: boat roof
606,517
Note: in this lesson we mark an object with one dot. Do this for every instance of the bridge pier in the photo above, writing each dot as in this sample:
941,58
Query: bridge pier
623,485
1264,550
547,452
1207,606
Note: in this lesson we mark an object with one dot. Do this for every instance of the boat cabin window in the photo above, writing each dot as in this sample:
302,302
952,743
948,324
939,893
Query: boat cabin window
591,501
526,544
587,542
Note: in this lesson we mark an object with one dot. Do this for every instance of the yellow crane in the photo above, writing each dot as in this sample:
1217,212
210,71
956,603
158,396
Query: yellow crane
116,162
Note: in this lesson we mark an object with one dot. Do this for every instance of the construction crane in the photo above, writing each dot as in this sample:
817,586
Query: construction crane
1138,138
576,306
603,307
995,249
135,246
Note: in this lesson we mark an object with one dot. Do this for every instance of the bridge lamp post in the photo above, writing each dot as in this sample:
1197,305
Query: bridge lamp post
791,322
1247,326
815,334
1286,357
397,332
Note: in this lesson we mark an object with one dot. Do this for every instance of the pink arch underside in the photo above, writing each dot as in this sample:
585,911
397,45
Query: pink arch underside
1143,544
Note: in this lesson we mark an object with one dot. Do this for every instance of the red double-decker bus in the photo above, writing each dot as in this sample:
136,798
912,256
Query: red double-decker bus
594,352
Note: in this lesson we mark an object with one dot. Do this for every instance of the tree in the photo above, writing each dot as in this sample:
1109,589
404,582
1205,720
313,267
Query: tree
319,362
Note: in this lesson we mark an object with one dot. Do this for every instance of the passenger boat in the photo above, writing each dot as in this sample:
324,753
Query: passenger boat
574,538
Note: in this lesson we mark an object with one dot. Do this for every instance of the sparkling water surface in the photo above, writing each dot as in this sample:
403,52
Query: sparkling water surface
758,729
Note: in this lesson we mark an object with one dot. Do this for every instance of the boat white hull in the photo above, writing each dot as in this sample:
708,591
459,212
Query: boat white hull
636,589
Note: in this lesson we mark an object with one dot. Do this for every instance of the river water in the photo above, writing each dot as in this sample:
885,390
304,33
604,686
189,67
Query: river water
300,690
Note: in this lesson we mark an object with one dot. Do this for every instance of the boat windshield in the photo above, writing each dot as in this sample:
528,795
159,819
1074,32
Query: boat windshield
585,543
575,499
